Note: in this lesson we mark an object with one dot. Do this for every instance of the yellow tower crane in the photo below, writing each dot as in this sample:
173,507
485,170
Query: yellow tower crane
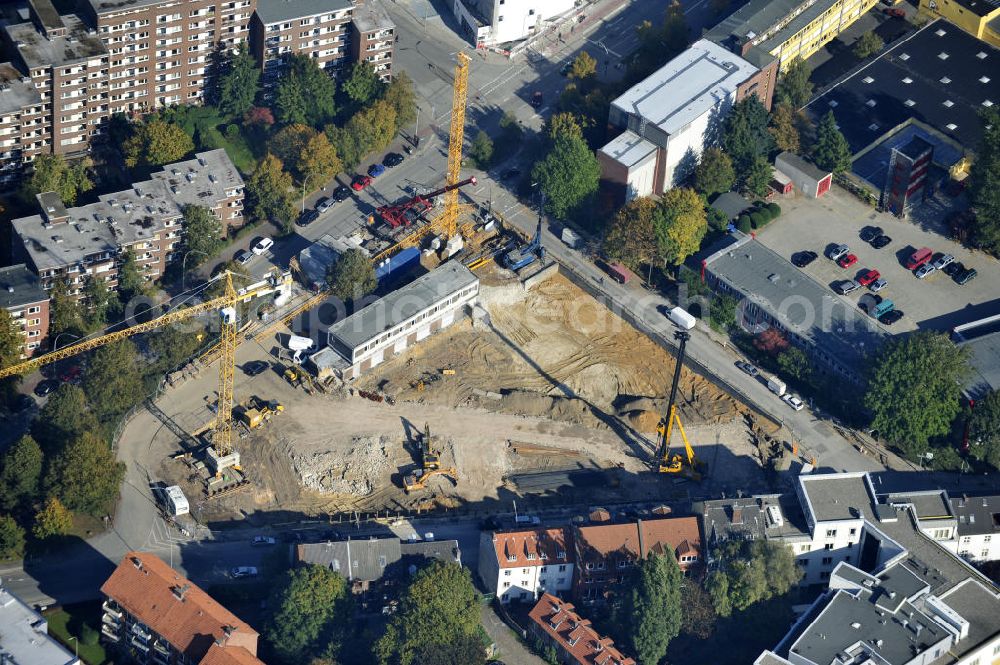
221,453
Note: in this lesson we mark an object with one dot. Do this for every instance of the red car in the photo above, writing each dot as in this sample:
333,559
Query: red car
895,12
360,182
868,277
847,261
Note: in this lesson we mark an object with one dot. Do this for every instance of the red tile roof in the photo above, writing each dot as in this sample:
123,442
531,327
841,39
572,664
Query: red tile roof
674,533
574,634
229,655
532,547
180,612
678,535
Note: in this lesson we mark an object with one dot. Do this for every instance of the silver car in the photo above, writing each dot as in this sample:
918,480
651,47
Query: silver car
847,286
878,285
943,261
838,251
924,270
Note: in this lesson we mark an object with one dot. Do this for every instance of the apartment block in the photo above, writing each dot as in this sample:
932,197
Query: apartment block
978,527
153,615
22,121
22,295
25,636
88,241
521,565
373,39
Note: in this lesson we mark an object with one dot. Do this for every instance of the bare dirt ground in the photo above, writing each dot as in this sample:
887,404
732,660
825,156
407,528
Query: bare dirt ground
551,394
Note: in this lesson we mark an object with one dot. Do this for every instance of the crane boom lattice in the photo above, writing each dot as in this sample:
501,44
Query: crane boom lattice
456,137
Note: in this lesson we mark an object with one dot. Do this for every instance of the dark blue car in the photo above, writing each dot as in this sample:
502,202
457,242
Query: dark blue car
375,170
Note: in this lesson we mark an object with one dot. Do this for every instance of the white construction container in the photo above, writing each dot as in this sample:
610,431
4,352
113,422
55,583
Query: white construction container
299,343
571,238
776,385
177,503
681,318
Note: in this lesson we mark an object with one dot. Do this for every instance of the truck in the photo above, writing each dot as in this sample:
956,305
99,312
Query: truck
302,346
176,502
776,385
919,258
681,318
618,272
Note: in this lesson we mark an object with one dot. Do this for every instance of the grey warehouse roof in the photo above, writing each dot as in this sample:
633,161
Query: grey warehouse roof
982,338
275,11
841,497
402,304
19,286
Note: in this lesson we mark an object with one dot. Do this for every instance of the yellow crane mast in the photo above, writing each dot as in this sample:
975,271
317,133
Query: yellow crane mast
456,138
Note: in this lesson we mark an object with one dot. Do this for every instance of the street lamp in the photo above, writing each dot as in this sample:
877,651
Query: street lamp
184,265
304,181
76,647
55,344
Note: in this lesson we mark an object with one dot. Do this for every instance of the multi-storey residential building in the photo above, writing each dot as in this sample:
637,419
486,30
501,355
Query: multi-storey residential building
521,565
317,28
21,120
493,22
88,240
978,527
25,636
22,295
555,623
154,615
373,39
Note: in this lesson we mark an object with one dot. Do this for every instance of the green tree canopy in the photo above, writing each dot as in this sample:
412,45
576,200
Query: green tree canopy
98,302
318,161
65,313
984,192
400,96
757,177
155,142
113,382
20,474
289,141
795,364
650,613
482,150
86,476
363,86
352,277
830,150
745,136
175,344
131,280
311,605
984,430
750,572
53,519
562,124
11,341
202,234
631,238
239,83
680,224
794,87
438,609
568,175
465,650
867,45
306,94
64,417
269,192
11,538
52,173
584,66
783,128
714,173
914,389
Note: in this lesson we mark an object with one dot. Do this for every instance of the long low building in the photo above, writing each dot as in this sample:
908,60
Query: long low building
391,324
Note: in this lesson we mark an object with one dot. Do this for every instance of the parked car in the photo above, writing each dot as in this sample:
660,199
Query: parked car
878,285
392,160
847,260
793,401
942,261
511,174
342,193
869,233
45,387
846,286
802,259
966,276
262,541
360,182
890,317
868,302
918,258
838,251
925,270
881,241
324,204
537,99
242,257
255,367
307,218
869,277
375,170
261,245
748,368
71,374
894,12
243,571
954,268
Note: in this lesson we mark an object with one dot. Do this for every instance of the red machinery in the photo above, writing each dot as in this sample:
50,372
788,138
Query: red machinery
408,211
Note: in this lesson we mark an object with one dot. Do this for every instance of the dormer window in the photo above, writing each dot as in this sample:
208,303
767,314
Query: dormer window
543,556
561,554
531,556
512,557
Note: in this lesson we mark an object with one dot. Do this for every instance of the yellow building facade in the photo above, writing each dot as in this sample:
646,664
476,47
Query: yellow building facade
832,19
979,18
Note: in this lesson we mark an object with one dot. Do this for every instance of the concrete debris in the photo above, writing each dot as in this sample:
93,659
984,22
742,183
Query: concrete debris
356,471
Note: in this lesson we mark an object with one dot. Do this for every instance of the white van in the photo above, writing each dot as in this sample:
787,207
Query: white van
177,503
681,318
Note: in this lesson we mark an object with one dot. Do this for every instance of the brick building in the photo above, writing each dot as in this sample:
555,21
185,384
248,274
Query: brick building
154,615
22,295
373,39
74,243
22,123
554,622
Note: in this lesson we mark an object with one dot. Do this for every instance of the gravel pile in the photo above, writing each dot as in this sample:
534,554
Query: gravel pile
358,472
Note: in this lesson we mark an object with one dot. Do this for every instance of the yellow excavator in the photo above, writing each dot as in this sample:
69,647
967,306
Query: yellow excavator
430,464
691,466
430,459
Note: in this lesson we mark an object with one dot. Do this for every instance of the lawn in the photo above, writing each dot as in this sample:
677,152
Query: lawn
208,127
65,622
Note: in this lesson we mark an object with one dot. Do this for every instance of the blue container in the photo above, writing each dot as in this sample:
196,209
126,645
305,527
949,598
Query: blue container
397,263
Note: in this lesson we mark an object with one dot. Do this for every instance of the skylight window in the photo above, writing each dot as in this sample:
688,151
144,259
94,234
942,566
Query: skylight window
987,103
833,103
910,102
948,103
943,55
873,127
868,79
945,80
951,126
871,103
940,32
984,79
981,55
907,80
904,56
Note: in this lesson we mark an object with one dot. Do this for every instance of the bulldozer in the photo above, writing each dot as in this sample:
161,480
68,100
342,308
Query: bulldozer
418,479
255,412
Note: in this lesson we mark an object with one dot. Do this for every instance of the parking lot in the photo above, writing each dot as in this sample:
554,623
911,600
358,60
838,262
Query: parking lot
935,302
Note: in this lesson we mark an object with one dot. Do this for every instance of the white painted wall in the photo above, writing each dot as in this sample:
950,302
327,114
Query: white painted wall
641,179
513,20
690,138
832,542
979,548
524,583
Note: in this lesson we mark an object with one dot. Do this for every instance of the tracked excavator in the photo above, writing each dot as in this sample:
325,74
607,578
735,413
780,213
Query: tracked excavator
430,465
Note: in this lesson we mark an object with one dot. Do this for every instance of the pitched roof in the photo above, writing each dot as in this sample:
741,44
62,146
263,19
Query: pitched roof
532,547
180,612
639,539
574,634
672,532
229,655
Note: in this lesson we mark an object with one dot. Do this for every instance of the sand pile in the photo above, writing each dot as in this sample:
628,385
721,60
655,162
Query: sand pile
355,472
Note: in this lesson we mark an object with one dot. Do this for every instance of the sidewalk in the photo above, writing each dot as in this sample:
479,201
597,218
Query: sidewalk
510,649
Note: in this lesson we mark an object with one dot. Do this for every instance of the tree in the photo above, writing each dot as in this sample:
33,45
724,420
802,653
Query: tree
318,161
438,609
377,123
783,129
631,238
650,614
482,150
744,134
65,314
11,538
717,586
52,173
794,88
757,177
11,341
750,572
156,142
984,430
795,364
714,173
770,342
400,96
306,93
914,389
830,151
567,176
310,604
699,615
131,281
363,85
174,345
584,66
680,224
53,519
63,418
722,312
113,382
269,192
259,115
202,234
86,476
20,473
98,301
465,650
867,45
239,83
352,277
288,143
984,192
562,124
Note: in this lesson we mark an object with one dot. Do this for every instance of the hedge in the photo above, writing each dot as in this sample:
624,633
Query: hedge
743,223
758,219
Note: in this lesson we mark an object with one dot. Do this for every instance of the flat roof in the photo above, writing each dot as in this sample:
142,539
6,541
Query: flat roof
930,504
837,496
275,11
402,304
979,7
979,605
80,43
704,77
803,165
941,76
19,286
754,19
15,94
982,339
629,149
25,636
371,16
803,306
108,6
